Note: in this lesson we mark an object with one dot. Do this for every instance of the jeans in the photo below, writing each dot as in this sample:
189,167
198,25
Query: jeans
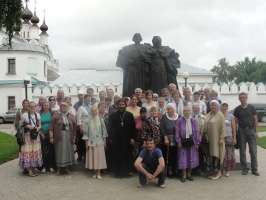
143,178
247,135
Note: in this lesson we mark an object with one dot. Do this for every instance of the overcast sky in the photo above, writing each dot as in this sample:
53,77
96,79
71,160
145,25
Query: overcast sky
89,33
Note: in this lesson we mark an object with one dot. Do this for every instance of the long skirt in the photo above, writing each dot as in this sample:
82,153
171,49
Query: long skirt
64,151
48,154
30,155
95,158
188,158
229,159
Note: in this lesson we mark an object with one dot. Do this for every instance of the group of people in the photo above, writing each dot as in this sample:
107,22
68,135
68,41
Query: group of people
158,135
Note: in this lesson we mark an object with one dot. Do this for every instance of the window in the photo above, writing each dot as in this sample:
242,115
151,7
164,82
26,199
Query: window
44,69
11,102
11,66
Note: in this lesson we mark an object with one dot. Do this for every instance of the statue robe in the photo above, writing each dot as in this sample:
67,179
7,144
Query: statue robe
164,68
135,61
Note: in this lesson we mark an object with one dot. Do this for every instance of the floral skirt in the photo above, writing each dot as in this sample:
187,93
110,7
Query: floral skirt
229,159
30,155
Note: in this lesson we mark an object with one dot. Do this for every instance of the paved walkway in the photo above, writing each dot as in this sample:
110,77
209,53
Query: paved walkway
79,185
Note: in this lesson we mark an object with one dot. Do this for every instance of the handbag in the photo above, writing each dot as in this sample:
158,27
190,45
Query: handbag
187,142
20,136
33,132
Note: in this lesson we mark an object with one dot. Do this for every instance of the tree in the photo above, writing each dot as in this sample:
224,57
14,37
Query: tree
10,17
248,70
223,71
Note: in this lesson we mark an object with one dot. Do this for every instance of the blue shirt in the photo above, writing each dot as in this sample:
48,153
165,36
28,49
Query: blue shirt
151,158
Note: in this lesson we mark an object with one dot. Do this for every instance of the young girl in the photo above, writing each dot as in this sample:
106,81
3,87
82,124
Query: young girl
95,142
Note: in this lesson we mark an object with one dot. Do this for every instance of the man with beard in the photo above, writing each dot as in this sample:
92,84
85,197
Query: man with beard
122,135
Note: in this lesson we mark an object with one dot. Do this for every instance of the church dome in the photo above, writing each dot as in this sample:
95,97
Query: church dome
44,27
35,19
27,14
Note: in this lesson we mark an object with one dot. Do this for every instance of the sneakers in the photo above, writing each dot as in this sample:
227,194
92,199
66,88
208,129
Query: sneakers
162,186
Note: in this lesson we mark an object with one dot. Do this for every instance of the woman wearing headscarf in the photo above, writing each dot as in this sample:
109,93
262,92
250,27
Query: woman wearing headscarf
95,139
188,140
230,140
168,130
62,135
215,130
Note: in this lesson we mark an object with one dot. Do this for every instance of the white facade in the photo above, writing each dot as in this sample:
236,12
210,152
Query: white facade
27,64
30,58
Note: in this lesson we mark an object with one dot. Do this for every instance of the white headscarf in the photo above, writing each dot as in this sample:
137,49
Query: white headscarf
173,106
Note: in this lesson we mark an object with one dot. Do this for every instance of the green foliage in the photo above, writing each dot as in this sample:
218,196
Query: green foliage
223,71
248,70
8,147
10,16
262,142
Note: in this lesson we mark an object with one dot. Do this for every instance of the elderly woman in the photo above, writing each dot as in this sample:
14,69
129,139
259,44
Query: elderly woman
215,130
30,157
168,130
95,139
188,140
230,140
71,109
62,135
133,107
147,127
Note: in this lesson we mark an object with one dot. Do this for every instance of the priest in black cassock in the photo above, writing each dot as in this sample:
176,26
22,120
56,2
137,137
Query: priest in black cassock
122,135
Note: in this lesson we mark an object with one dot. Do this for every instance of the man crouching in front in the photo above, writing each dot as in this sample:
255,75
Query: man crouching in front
150,164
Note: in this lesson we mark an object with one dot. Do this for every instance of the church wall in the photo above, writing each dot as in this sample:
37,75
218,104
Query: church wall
31,63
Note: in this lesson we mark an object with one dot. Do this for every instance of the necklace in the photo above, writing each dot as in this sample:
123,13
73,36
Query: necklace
122,119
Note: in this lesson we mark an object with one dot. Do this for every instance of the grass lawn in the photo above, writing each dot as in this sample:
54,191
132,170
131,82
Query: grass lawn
262,142
8,147
261,129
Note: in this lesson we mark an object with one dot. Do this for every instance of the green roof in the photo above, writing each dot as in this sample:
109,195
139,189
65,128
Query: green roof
34,81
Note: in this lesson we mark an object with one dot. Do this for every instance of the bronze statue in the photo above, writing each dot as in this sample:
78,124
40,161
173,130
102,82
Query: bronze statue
135,62
147,66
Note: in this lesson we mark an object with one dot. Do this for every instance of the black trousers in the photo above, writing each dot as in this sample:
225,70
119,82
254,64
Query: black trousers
48,154
170,157
81,147
143,179
204,157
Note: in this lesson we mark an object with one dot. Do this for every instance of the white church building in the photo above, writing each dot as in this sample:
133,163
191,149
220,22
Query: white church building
29,61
